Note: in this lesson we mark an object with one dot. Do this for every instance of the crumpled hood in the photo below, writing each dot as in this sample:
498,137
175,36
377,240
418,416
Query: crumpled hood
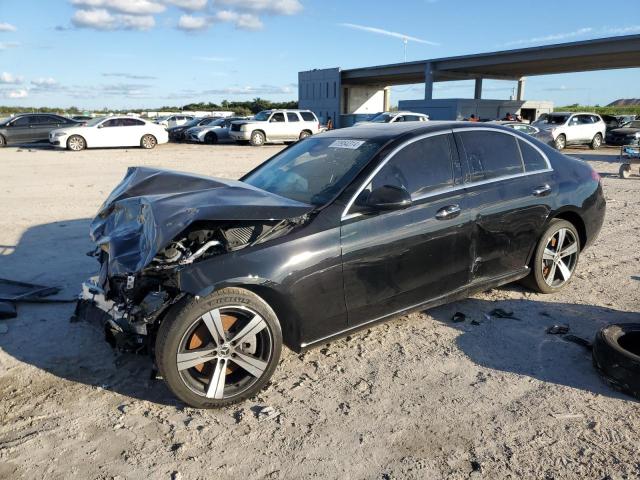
150,207
625,131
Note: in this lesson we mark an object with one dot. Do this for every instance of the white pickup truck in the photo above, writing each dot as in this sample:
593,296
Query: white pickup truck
275,126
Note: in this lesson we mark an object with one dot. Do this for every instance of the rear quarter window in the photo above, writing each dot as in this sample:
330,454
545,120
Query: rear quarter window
308,117
490,154
532,159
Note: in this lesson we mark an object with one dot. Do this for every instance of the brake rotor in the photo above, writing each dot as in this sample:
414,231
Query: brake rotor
201,337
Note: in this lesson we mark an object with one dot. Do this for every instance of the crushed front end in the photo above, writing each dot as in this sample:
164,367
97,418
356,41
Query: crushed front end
156,223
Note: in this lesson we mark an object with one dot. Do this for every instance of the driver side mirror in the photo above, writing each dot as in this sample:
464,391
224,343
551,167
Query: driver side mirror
383,199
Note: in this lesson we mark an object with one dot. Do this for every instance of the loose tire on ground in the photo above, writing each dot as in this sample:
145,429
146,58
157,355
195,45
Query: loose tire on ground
616,356
194,382
76,143
555,259
596,143
257,138
625,170
148,142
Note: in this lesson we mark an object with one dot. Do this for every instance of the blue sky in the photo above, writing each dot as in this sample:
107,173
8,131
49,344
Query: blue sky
148,53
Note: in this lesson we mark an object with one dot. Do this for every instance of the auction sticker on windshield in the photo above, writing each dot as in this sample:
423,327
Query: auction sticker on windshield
350,144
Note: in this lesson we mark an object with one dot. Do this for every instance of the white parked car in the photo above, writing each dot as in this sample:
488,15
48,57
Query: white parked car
173,120
275,125
395,117
574,129
110,132
214,132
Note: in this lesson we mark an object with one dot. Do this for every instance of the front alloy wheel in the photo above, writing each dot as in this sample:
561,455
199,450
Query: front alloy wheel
560,142
76,143
148,142
556,257
219,350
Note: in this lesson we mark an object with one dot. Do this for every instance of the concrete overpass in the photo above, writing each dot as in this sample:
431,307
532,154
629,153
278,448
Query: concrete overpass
334,92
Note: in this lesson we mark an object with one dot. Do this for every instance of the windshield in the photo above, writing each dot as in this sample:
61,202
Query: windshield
315,170
633,124
262,116
557,119
382,118
209,121
94,122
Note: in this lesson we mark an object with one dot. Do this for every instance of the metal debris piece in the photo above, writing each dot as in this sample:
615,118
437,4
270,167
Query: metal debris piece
267,413
13,291
558,329
500,313
7,310
458,317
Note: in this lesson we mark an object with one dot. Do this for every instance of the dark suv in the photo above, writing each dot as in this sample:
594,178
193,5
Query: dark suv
31,127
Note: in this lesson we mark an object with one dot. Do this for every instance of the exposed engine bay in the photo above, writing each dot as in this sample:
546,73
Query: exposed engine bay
140,255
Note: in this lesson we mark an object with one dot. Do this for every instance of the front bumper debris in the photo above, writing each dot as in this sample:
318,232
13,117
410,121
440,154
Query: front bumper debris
92,307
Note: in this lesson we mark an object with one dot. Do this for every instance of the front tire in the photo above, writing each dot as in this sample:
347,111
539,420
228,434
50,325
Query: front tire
220,349
555,259
596,143
560,142
148,142
76,143
3,142
257,138
625,170
210,138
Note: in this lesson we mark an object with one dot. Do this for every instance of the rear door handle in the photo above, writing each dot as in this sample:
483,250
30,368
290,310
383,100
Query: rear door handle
448,212
542,191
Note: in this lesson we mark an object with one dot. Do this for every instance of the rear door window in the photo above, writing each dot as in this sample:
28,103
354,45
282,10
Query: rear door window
292,117
533,160
421,167
490,154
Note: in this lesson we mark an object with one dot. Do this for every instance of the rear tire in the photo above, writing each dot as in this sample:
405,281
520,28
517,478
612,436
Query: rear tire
148,142
625,170
304,134
596,143
555,259
76,143
225,370
560,142
3,142
257,138
210,138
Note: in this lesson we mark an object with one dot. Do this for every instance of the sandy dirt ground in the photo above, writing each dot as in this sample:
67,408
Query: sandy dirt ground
417,398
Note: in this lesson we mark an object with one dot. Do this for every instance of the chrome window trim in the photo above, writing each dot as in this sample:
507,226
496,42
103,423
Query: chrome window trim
347,216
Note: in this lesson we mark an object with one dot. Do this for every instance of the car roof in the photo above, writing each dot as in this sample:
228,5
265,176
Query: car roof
573,113
382,132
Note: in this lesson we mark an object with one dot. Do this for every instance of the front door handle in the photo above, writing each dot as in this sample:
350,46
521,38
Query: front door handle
542,191
448,212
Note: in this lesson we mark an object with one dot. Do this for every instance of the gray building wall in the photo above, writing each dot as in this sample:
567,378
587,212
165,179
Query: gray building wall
320,91
461,108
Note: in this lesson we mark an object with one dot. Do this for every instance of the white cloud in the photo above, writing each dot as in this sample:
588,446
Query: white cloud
129,76
275,7
243,21
10,79
131,7
8,45
191,5
102,19
212,59
7,27
193,23
388,33
22,93
250,90
44,82
555,37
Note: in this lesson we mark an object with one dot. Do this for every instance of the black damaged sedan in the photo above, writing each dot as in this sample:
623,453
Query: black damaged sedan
334,233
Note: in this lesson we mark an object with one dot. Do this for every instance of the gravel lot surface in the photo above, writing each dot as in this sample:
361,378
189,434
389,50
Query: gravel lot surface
418,397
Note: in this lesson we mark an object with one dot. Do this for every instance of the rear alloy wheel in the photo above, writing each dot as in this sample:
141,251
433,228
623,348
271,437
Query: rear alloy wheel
596,143
211,138
220,349
257,138
148,142
560,142
76,143
304,134
556,258
625,170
